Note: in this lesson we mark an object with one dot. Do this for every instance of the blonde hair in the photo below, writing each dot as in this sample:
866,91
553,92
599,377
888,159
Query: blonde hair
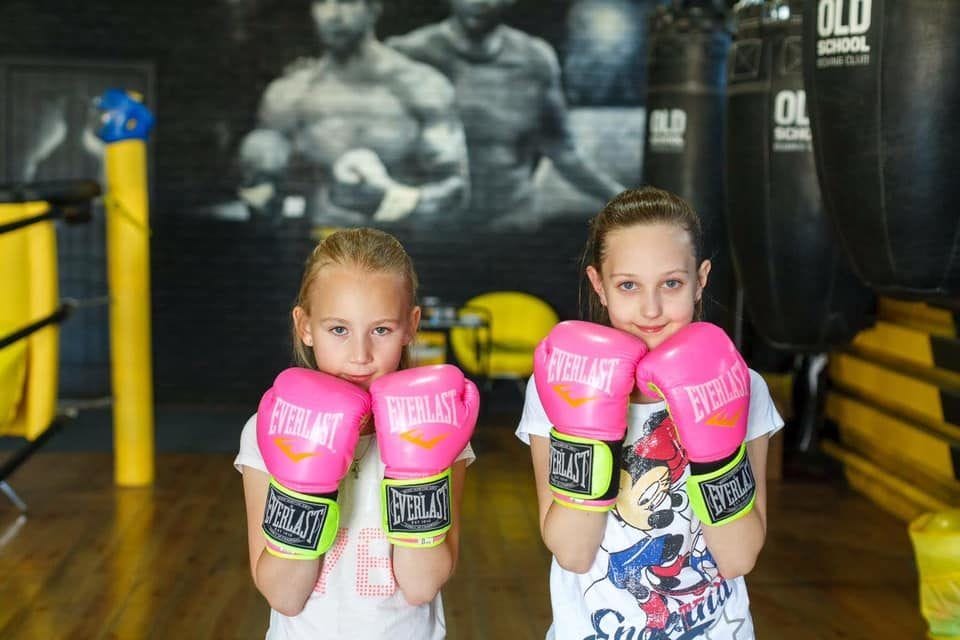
646,205
369,249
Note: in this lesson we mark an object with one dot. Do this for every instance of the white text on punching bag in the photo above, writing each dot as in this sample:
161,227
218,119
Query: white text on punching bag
565,366
841,25
667,128
409,411
288,419
791,131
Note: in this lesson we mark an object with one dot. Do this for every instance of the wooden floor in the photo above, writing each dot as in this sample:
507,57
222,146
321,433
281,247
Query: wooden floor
92,561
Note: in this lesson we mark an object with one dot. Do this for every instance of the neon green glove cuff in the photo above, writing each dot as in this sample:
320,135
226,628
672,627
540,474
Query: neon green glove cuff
297,525
416,511
726,494
583,471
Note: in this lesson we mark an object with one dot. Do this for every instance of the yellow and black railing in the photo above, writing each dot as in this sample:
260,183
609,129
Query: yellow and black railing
31,310
895,400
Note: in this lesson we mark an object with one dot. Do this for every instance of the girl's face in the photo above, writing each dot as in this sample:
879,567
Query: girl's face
358,322
649,280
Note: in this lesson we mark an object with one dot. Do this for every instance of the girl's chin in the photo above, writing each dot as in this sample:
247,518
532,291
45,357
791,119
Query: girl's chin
655,340
651,341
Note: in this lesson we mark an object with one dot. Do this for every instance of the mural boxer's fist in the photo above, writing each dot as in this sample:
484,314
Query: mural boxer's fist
362,183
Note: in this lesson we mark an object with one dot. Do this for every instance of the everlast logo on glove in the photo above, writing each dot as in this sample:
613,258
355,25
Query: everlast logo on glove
288,419
419,508
730,493
294,523
567,367
712,395
571,466
406,412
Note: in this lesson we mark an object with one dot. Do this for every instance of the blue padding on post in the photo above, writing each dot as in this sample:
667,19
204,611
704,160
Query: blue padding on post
124,117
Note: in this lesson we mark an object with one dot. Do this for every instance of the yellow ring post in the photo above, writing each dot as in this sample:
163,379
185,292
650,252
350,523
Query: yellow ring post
126,124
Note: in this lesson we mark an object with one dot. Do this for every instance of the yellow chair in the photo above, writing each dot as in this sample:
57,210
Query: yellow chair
515,323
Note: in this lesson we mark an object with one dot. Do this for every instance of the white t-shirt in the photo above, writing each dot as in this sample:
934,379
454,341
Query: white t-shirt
653,577
356,596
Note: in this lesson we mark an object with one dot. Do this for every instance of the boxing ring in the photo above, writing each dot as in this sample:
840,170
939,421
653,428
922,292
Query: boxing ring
32,311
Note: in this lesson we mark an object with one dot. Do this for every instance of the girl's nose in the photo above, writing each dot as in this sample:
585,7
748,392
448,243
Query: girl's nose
651,306
361,350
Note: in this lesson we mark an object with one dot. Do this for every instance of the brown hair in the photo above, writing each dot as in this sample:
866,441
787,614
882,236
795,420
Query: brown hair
365,248
646,205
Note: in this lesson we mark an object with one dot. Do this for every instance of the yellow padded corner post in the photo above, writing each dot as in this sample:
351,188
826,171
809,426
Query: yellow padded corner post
29,367
128,266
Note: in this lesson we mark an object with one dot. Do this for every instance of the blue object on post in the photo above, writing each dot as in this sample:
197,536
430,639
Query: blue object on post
123,116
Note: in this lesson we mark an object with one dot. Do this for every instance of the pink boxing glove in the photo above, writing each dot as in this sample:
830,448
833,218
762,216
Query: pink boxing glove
308,424
424,419
584,374
706,385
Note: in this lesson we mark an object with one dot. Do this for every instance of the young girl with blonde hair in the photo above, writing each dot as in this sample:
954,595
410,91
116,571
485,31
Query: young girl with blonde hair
354,466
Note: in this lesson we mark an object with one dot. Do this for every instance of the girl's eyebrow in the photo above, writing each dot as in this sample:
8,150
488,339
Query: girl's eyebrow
633,275
342,321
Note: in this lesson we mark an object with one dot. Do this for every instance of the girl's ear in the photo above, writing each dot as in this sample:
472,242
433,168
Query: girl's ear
703,274
414,325
301,321
597,283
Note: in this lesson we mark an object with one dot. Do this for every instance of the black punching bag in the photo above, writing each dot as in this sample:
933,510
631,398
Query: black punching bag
683,150
799,290
884,101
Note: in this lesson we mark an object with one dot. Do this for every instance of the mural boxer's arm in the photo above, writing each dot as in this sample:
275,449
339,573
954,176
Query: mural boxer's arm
265,151
556,138
441,153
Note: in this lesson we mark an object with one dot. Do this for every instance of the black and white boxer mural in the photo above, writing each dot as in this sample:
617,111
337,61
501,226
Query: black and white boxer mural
461,120
276,120
357,136
604,78
510,99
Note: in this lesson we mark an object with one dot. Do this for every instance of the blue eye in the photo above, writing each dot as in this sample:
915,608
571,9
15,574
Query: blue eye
382,331
338,330
673,283
627,286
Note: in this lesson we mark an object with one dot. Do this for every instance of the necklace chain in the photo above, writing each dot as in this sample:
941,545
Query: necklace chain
355,467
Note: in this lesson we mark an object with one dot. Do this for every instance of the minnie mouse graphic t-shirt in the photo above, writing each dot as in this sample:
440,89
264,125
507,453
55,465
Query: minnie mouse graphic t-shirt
653,577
